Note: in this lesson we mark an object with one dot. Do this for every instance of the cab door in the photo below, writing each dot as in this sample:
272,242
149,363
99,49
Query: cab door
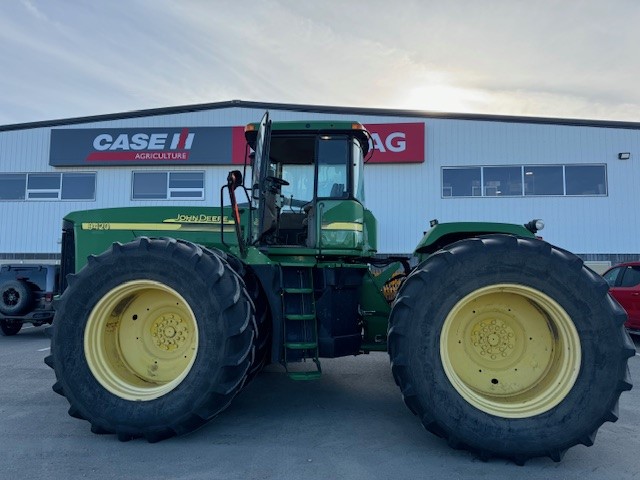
339,215
265,215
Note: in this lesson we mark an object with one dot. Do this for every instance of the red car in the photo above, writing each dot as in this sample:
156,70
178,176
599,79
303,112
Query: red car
624,286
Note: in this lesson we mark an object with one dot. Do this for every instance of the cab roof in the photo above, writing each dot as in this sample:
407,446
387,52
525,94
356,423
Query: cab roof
312,127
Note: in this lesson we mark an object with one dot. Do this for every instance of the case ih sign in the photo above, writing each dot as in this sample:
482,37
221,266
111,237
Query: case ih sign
141,146
392,143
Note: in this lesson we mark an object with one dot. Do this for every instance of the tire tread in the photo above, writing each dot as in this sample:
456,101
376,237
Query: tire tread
237,315
403,313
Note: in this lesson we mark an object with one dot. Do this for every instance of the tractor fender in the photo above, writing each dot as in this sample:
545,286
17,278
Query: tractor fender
443,234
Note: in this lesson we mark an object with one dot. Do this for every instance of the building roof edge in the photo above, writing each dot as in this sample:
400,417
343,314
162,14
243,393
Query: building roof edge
422,114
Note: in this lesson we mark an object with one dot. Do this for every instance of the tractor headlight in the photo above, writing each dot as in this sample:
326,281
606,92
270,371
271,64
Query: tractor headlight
534,225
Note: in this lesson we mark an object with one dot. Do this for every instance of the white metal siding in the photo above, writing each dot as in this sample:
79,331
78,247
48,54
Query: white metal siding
403,197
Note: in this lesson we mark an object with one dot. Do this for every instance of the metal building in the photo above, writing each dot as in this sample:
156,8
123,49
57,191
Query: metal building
579,176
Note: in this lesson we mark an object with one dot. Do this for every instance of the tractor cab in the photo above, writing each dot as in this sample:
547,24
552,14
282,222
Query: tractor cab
307,186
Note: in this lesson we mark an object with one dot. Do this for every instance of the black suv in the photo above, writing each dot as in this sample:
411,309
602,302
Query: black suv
26,294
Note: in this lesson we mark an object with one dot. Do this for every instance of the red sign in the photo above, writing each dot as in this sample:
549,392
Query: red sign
390,142
396,142
238,145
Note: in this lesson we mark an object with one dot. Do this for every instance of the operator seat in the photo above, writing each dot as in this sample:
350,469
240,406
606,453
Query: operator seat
338,191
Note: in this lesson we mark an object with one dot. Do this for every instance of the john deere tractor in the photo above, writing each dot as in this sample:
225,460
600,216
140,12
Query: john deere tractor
500,342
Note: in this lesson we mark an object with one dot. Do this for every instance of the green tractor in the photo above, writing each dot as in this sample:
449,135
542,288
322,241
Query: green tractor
500,342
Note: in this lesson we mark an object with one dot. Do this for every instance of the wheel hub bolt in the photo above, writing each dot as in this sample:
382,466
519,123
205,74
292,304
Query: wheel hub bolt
492,338
168,332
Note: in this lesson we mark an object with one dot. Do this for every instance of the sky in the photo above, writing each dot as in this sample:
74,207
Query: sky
570,58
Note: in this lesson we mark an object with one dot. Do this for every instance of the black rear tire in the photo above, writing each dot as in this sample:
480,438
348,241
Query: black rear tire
16,297
10,327
196,354
470,359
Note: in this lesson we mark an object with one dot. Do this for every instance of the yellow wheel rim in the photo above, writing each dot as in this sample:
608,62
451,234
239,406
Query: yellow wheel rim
141,340
510,350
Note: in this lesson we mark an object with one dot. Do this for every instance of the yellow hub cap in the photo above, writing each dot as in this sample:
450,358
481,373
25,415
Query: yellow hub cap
141,340
510,350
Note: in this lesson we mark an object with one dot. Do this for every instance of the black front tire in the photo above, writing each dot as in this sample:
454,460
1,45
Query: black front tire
152,339
509,347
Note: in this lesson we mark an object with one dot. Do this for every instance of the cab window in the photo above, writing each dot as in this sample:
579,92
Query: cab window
358,167
300,189
333,159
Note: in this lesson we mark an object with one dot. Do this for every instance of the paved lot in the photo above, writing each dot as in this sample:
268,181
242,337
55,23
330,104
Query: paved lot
350,424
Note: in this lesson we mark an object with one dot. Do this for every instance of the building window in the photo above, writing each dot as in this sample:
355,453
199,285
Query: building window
78,186
527,180
586,179
502,181
543,180
12,186
149,185
47,186
168,185
461,182
186,185
43,186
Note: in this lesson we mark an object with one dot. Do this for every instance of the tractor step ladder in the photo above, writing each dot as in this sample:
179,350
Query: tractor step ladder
300,327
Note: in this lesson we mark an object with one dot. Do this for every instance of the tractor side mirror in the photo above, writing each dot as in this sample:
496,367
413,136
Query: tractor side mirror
234,179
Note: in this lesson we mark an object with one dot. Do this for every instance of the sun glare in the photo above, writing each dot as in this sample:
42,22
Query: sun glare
444,98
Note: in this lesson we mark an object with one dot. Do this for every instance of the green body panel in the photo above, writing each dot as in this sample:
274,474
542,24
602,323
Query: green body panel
347,231
446,233
341,226
96,230
290,255
375,308
370,232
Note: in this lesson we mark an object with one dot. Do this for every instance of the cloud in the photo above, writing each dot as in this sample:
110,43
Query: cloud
33,10
551,58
